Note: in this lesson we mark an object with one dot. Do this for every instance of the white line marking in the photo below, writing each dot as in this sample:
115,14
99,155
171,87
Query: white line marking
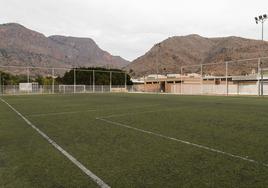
58,113
95,178
184,142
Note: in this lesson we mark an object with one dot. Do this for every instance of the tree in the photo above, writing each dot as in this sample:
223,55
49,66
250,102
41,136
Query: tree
84,76
9,79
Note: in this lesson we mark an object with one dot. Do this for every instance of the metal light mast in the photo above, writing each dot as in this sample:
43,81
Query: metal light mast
261,19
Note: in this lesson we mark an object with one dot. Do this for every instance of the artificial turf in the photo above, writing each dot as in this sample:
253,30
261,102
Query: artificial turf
124,157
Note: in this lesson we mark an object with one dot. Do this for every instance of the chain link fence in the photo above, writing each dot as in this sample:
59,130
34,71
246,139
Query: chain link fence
240,77
15,80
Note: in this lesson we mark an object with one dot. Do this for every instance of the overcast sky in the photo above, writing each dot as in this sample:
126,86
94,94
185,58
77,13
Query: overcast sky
129,28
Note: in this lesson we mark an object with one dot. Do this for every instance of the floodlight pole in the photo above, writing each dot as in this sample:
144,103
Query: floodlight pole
262,38
262,30
261,72
259,80
261,19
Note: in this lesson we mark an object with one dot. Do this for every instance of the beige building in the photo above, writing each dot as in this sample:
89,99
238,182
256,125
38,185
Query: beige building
194,84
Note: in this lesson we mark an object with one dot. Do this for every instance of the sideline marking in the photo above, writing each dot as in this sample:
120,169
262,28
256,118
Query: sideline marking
183,141
94,177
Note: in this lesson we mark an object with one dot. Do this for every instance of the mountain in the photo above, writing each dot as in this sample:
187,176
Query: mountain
23,47
189,50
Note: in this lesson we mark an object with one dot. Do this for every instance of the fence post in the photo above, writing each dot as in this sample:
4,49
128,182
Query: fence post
226,78
28,75
1,92
110,81
93,81
202,89
181,80
259,75
125,81
74,80
214,86
28,79
53,80
144,84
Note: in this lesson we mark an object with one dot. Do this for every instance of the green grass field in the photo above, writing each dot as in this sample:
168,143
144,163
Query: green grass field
135,140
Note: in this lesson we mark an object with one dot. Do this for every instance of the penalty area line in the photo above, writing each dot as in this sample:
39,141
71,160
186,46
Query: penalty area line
90,174
184,142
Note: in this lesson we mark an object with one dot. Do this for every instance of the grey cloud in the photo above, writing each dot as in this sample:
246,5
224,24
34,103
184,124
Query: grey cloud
130,27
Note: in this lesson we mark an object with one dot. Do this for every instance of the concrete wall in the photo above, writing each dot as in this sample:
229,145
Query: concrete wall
212,89
207,88
146,88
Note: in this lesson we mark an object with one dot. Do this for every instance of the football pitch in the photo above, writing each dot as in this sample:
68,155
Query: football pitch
133,140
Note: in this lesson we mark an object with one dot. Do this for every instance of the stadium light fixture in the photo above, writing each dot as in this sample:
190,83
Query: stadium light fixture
261,19
256,19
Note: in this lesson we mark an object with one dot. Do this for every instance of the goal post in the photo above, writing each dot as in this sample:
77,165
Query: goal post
53,80
72,89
